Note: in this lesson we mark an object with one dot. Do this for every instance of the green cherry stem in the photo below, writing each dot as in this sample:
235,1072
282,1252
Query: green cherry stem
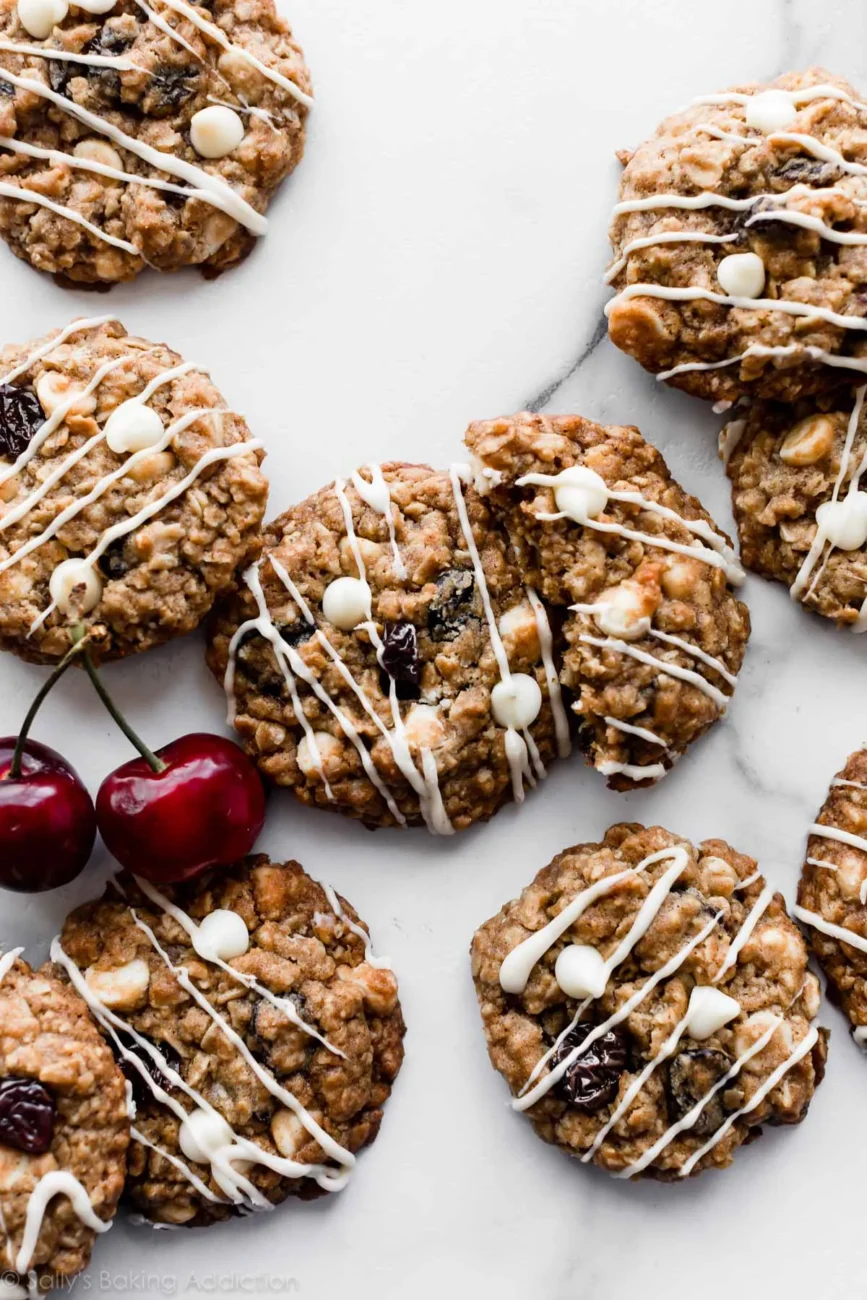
78,647
155,764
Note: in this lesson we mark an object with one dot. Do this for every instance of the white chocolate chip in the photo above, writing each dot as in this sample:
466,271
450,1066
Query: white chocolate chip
424,728
709,1010
718,877
202,1134
222,934
580,493
132,426
156,466
346,603
288,1133
40,17
516,702
54,389
95,6
580,971
327,747
771,110
75,587
844,522
742,275
623,612
810,440
98,151
215,131
121,989
517,621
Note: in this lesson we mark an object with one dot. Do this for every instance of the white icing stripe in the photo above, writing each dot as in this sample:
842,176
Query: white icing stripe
77,327
730,438
102,486
466,528
24,507
692,1116
818,862
663,666
23,195
699,527
652,772
340,493
842,837
219,194
184,1169
219,36
292,589
380,963
643,733
664,237
377,495
7,961
855,785
804,1047
425,783
805,95
743,935
332,1148
821,151
70,56
750,880
555,694
807,222
697,653
832,931
283,1005
759,350
61,159
57,1183
695,293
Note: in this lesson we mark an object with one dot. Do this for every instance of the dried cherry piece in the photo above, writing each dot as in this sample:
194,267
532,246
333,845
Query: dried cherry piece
113,562
20,417
140,1090
452,606
169,89
27,1113
691,1075
399,658
591,1081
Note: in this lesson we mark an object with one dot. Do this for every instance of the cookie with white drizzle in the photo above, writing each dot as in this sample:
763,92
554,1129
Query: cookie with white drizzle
832,894
799,494
648,1003
260,1034
136,135
739,242
64,1129
654,634
386,660
130,495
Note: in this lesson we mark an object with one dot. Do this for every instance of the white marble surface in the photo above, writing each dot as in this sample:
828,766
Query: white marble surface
438,257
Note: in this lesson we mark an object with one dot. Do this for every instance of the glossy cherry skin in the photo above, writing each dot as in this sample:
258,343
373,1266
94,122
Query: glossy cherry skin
47,820
205,809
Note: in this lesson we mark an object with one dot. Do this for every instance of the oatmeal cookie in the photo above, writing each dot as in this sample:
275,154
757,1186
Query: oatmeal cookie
385,658
144,137
832,895
739,258
654,635
801,511
260,1035
129,493
64,1129
649,1005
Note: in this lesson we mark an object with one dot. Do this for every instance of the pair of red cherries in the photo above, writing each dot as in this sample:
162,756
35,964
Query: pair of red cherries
197,803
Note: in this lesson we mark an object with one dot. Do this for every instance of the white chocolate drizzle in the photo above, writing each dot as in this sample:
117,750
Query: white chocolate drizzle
24,195
662,665
760,350
79,326
555,694
634,771
57,1183
379,963
8,960
743,936
643,733
695,293
376,494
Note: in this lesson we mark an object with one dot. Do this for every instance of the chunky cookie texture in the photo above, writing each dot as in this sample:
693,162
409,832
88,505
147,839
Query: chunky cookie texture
654,635
386,658
796,474
64,1128
129,493
738,264
136,140
832,895
648,1002
260,1035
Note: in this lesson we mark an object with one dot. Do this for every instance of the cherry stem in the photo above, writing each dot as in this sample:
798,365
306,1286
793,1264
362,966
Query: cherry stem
155,764
78,646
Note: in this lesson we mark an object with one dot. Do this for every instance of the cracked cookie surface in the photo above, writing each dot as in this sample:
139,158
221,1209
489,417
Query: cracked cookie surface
260,1034
129,493
738,242
366,659
146,137
654,635
64,1127
648,1003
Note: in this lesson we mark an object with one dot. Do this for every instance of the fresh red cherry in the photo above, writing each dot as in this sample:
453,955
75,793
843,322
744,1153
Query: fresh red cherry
47,821
197,803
